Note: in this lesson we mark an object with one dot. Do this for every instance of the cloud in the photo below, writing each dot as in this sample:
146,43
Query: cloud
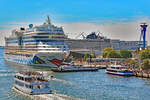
121,30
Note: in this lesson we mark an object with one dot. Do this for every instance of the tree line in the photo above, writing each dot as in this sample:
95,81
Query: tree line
143,56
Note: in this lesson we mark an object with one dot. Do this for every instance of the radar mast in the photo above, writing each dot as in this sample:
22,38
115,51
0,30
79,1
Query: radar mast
48,20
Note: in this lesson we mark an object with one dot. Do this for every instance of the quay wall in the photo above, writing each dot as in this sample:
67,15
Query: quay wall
142,74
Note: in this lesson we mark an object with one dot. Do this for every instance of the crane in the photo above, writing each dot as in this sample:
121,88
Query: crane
143,36
82,33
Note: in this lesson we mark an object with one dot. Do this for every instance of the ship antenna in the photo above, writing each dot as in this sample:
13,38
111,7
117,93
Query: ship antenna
48,20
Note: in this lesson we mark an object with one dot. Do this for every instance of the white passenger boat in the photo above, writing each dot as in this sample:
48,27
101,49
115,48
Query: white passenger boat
31,83
119,70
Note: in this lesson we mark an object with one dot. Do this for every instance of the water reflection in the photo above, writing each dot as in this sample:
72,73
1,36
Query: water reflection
116,77
20,67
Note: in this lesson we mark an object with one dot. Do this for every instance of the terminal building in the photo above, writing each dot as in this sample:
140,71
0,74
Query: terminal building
94,43
128,45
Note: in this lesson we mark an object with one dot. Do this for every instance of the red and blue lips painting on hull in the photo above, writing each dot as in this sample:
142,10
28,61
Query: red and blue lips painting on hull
56,61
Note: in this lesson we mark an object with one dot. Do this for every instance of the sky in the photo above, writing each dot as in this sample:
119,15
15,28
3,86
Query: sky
116,19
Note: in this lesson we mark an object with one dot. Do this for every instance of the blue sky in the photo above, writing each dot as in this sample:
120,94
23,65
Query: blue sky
95,12
73,10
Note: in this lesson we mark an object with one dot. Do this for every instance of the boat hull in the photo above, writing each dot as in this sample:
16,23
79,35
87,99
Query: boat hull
33,92
120,73
39,59
74,69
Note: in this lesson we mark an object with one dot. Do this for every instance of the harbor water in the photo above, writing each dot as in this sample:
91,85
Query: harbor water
85,85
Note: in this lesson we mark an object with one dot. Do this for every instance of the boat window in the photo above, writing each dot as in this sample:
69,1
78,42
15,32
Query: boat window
28,79
27,86
46,86
38,86
31,86
19,83
21,78
15,76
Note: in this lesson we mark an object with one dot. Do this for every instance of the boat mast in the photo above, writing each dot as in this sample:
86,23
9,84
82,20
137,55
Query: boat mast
48,20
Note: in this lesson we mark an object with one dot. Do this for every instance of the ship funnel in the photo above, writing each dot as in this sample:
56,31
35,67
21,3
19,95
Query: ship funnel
30,25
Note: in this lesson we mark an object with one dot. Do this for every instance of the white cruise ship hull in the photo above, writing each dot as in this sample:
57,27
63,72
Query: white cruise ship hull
42,59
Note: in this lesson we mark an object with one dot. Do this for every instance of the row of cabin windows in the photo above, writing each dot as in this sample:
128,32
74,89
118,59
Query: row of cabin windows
22,78
19,83
112,70
31,86
28,37
49,46
27,55
27,79
50,33
19,77
34,40
22,84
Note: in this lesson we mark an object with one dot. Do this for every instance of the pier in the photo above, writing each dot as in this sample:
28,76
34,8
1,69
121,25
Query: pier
143,74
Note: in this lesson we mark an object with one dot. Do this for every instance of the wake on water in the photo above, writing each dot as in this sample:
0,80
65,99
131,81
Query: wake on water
12,73
7,73
59,80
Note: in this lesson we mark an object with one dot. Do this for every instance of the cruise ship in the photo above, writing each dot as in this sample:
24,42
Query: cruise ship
41,45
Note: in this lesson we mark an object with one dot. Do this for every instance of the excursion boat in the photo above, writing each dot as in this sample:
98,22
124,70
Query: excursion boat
119,70
41,45
30,82
73,68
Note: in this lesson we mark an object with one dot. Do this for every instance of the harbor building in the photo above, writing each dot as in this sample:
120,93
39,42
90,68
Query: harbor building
118,44
88,45
92,43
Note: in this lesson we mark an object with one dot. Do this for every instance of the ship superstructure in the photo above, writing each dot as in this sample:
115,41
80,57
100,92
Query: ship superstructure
41,45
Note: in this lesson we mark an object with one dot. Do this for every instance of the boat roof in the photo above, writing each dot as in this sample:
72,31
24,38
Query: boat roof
29,73
120,66
32,74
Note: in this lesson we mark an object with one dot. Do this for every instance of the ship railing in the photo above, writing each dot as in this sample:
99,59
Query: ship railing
39,83
44,31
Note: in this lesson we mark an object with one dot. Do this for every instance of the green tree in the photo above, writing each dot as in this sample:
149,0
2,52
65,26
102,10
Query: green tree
93,56
113,54
125,53
87,55
145,64
106,51
144,54
132,62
